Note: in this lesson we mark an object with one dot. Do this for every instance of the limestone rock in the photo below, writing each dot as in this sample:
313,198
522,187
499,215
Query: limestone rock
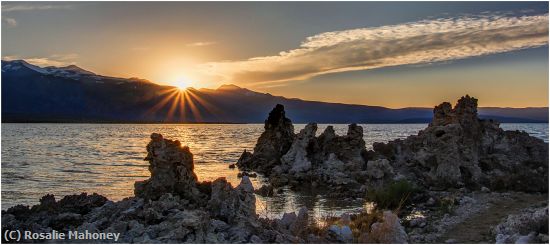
171,166
380,168
274,142
327,160
389,230
296,157
526,227
460,150
231,205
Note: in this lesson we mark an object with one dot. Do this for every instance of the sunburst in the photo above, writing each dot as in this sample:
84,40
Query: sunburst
180,101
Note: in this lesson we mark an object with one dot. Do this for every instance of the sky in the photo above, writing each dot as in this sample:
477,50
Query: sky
393,54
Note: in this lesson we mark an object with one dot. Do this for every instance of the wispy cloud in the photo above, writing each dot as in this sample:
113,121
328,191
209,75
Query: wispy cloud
52,60
11,22
28,6
200,44
421,42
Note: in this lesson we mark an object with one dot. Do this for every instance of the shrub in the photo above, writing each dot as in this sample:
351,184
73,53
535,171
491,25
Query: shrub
392,196
447,204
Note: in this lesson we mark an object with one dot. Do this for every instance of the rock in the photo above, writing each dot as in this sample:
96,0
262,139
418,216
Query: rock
65,214
274,142
256,240
298,227
485,189
418,222
380,168
327,160
389,230
265,191
231,204
287,220
342,233
345,219
66,220
543,238
296,157
530,238
460,150
523,227
430,201
171,167
449,241
232,166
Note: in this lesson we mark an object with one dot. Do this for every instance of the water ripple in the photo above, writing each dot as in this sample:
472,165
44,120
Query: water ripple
66,159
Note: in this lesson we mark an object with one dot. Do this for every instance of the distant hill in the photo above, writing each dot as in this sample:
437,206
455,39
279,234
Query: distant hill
72,94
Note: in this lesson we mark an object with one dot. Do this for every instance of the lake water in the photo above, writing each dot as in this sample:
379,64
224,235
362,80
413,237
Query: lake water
65,159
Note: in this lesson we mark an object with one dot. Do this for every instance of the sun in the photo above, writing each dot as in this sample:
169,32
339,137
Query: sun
183,84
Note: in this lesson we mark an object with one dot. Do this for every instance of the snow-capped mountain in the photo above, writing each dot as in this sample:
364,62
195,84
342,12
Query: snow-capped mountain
71,94
71,71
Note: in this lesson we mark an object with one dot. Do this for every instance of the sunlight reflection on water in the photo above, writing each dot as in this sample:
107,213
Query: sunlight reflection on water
66,159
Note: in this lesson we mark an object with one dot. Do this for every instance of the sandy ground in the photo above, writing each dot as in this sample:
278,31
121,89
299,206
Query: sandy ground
477,227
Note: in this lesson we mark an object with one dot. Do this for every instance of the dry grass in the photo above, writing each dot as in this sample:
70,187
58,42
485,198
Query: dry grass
361,224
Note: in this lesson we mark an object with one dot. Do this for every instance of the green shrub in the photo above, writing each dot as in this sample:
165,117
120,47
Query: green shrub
392,196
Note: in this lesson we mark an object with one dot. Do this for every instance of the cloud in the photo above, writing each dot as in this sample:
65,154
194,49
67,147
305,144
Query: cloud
11,22
422,42
52,60
27,7
64,57
200,44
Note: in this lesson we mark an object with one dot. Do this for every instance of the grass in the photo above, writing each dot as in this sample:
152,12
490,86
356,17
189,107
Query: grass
360,225
391,196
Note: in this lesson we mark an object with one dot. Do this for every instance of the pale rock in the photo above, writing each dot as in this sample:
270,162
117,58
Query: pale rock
380,168
296,157
342,233
389,230
171,166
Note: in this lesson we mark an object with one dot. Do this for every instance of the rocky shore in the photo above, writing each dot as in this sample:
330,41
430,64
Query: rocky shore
169,207
454,174
457,150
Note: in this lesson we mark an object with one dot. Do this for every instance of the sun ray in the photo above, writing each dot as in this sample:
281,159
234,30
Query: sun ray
170,114
213,110
163,102
194,110
182,106
178,102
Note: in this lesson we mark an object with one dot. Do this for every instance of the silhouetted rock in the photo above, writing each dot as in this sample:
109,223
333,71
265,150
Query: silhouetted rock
329,159
171,166
63,215
272,144
460,150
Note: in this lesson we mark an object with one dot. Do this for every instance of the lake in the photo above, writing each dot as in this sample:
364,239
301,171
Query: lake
65,159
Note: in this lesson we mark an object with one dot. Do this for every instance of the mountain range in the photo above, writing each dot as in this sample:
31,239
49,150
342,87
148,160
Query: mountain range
72,94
